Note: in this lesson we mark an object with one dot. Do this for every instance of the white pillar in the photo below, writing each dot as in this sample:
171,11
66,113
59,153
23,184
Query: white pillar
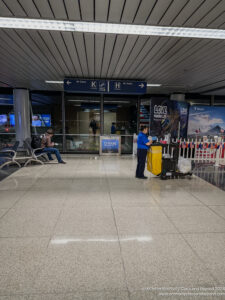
22,114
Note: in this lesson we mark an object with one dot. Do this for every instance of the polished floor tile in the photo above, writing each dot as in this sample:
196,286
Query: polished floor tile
29,222
163,261
195,219
211,249
90,230
142,221
81,264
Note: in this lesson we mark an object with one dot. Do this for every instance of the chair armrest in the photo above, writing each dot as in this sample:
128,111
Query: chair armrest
7,151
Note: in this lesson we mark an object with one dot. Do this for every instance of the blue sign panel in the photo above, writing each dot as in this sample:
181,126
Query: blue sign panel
110,145
127,87
105,86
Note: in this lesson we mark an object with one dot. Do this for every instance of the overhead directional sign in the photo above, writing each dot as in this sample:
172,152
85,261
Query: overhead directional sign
105,86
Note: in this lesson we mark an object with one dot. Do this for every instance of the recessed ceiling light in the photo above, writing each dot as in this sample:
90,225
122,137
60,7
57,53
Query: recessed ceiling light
52,81
153,84
94,27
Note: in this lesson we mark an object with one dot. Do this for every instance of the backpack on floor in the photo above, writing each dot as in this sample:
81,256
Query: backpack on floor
36,142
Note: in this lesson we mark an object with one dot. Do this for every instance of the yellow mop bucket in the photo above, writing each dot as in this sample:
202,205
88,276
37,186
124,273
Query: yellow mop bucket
154,160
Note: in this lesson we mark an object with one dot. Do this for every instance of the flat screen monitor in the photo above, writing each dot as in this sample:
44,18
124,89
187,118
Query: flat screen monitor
41,120
12,120
3,120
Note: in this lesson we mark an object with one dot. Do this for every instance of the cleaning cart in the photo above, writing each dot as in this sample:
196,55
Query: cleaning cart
162,160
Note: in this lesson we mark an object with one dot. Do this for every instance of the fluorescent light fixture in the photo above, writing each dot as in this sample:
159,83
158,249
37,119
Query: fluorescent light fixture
52,81
153,84
41,24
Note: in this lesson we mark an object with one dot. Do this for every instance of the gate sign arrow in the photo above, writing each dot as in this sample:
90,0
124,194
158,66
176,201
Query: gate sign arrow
120,87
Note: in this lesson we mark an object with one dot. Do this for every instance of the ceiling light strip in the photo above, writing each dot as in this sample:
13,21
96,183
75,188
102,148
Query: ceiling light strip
41,24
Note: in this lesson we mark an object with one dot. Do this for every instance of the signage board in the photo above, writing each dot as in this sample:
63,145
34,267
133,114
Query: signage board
105,86
110,145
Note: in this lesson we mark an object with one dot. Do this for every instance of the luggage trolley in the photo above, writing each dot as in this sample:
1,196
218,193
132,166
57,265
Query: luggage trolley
162,160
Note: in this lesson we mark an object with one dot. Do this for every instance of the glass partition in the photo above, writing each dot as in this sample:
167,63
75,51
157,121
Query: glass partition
82,123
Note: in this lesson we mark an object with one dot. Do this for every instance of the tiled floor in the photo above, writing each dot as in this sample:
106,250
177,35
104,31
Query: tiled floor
90,230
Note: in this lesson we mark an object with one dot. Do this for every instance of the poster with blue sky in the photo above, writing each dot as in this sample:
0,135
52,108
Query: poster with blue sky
206,120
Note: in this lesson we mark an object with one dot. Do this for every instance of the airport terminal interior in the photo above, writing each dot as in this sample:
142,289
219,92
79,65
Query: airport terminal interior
93,92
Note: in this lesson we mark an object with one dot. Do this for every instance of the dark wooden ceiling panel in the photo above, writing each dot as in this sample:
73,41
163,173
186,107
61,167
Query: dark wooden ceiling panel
213,15
173,11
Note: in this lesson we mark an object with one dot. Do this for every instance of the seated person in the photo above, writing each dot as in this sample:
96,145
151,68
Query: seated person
113,128
48,146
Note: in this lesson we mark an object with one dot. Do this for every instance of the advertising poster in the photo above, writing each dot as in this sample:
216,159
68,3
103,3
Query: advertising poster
206,121
110,145
166,116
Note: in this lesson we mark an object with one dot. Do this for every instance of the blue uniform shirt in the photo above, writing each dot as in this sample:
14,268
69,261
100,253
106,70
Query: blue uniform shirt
142,141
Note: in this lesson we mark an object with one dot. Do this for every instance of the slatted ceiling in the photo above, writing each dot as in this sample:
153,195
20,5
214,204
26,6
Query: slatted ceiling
101,10
130,42
144,10
171,48
44,9
26,37
68,39
135,51
220,92
20,51
212,15
158,47
109,45
201,13
90,46
87,10
79,41
46,52
48,40
187,12
29,8
15,8
146,50
58,9
59,43
4,11
115,10
117,51
218,22
158,11
173,10
73,9
99,53
129,12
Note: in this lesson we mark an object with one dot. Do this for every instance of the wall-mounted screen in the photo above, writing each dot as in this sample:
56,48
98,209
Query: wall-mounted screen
3,120
42,120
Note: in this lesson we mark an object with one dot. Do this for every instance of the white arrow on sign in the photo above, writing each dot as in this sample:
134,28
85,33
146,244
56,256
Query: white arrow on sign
141,85
68,82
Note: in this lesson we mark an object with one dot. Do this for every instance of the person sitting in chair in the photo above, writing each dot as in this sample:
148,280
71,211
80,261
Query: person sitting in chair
48,146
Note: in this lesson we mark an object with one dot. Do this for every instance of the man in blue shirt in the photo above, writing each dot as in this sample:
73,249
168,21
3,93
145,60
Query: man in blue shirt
113,128
143,145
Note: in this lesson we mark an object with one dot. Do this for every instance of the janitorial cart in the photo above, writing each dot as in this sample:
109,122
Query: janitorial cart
162,160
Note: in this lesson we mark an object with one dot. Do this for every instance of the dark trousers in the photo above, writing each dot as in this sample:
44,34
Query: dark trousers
141,158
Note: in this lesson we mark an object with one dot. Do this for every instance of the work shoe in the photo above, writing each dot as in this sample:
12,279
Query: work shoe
62,162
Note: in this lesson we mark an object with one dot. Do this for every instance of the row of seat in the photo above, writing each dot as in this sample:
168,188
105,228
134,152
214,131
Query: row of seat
13,155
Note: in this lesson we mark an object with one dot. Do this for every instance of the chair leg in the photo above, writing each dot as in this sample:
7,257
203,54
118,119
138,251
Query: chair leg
34,160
